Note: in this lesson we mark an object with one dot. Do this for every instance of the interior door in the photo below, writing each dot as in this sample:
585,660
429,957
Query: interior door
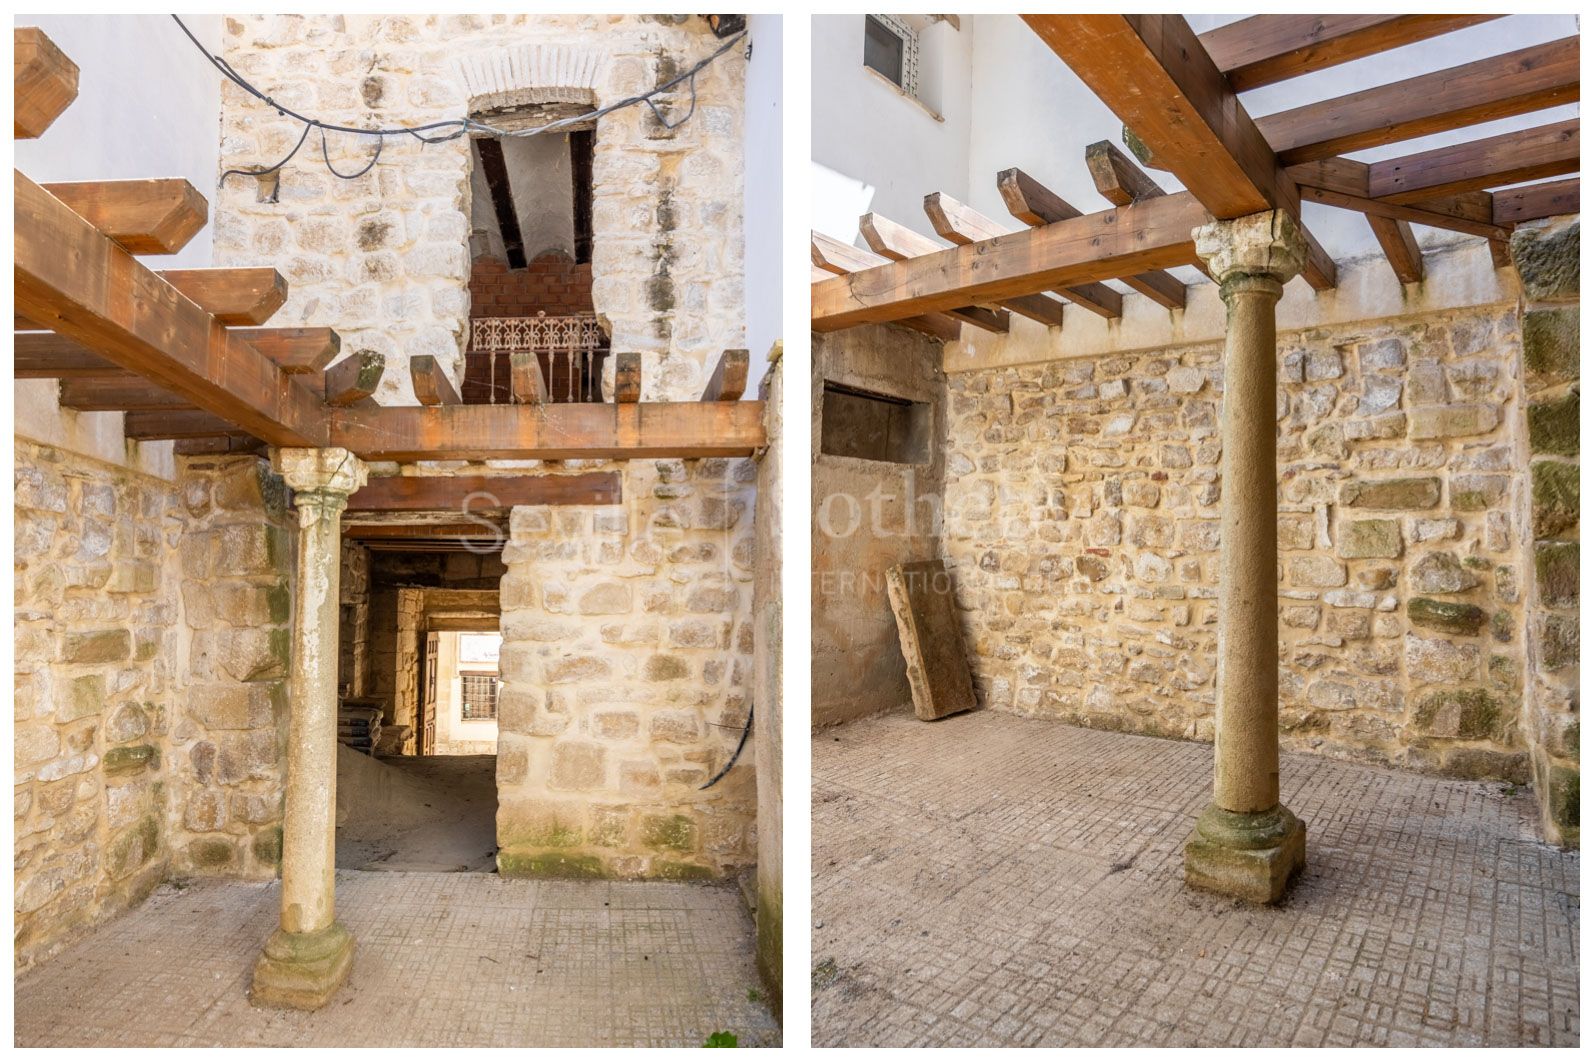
428,728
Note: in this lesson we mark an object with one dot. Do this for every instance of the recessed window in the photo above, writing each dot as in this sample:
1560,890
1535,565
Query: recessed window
891,49
873,426
478,694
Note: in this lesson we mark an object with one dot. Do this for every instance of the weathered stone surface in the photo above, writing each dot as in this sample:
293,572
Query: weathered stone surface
1441,573
1419,492
1452,617
1555,497
1435,660
1555,563
1370,538
1468,714
1444,422
96,647
1545,254
1553,425
932,640
1550,344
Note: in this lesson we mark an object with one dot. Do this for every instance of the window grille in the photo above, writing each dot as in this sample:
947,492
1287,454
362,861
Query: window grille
891,49
478,695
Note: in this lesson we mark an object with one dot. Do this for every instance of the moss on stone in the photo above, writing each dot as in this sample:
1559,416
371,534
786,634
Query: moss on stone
1556,566
279,603
1550,343
1558,641
549,865
1453,617
1545,254
210,854
267,846
1467,714
769,944
1561,802
675,832
1552,425
673,870
135,847
130,758
1555,497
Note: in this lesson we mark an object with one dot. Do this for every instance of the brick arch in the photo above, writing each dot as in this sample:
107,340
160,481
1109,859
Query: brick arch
531,73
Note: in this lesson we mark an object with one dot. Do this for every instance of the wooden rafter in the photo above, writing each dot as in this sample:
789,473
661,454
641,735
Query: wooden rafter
1525,155
1035,204
1511,206
72,279
841,259
145,217
963,225
248,295
1265,49
1155,234
574,431
729,378
1344,183
1400,247
1529,79
474,494
45,355
355,379
431,383
45,82
526,382
496,172
123,393
148,426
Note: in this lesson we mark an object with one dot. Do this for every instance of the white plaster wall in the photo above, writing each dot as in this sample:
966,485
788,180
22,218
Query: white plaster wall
148,105
761,195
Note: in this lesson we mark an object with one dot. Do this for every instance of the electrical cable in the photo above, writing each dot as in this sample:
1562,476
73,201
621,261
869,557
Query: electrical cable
460,126
723,771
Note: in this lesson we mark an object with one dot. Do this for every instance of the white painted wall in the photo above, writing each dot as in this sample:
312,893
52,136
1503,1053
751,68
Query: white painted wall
1025,108
457,736
761,195
148,105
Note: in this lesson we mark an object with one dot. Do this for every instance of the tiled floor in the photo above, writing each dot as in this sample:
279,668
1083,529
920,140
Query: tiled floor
449,960
988,879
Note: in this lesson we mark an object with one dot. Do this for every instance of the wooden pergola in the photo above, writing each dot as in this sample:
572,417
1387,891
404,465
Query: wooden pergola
1177,96
184,355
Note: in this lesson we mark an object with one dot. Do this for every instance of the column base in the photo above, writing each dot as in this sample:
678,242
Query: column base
1252,857
301,971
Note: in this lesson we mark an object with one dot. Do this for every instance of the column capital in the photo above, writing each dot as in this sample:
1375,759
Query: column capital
1269,244
329,470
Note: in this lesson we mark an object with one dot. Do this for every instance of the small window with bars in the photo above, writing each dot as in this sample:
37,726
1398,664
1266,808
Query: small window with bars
478,695
891,49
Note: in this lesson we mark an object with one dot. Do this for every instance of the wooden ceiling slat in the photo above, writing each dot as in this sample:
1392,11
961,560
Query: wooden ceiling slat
120,394
1265,49
1529,79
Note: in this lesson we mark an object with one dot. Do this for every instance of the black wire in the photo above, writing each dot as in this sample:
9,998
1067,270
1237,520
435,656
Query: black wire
464,125
723,771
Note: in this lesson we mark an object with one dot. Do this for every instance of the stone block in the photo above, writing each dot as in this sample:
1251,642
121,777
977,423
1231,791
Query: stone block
1359,539
1561,803
1417,492
1448,422
1470,714
1545,253
1441,573
1316,571
1553,426
931,635
1436,660
578,765
575,668
235,706
676,833
1477,492
129,758
1555,563
1452,617
661,668
675,726
84,696
1555,497
96,647
1558,641
1550,345
605,599
1257,875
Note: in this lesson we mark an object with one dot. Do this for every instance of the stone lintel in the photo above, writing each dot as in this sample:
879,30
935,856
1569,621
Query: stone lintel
324,470
1269,244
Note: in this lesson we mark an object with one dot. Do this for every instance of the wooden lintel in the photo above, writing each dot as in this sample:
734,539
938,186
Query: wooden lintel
1155,234
628,377
355,378
1518,82
561,431
218,444
1265,49
155,216
75,281
44,85
1512,206
1400,247
729,378
467,495
246,295
432,385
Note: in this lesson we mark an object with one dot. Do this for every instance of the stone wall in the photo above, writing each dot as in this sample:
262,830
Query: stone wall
354,620
868,517
769,723
235,550
95,615
626,665
1546,255
1081,510
384,258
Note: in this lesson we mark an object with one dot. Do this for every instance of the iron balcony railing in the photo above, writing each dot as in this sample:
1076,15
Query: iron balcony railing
570,349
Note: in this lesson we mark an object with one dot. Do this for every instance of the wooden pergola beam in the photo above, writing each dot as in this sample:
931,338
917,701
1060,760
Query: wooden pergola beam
729,378
1529,79
526,382
431,383
1400,247
44,82
1155,234
1525,155
1343,183
841,259
1035,204
1116,176
72,279
122,394
561,431
496,172
155,216
149,426
45,355
1511,206
248,295
355,379
468,495
1265,49
296,351
961,224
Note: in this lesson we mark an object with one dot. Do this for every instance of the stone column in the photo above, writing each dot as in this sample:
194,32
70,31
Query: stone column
1246,843
308,957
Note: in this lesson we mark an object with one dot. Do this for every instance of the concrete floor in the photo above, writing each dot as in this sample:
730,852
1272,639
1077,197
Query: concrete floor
989,879
441,960
429,813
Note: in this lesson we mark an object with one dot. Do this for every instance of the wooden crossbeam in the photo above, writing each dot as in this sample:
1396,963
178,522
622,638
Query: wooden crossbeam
45,355
1344,183
496,173
561,431
145,217
123,393
77,282
729,378
526,382
45,82
1035,204
473,494
355,379
898,243
1158,79
1400,247
247,295
297,351
628,377
1529,79
1526,155
1155,234
431,383
1512,206
423,532
961,224
1265,49
148,426
840,259
1116,176
238,443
